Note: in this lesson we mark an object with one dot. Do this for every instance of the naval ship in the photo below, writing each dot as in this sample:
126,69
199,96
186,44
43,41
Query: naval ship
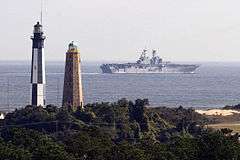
144,64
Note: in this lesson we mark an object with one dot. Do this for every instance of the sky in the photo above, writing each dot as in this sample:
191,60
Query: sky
117,30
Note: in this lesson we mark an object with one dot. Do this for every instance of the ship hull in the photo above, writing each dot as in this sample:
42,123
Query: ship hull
135,68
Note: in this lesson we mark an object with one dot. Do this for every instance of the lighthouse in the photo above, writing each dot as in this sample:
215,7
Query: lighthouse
72,89
38,77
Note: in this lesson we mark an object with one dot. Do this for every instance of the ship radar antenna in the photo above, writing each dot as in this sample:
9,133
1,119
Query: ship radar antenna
154,52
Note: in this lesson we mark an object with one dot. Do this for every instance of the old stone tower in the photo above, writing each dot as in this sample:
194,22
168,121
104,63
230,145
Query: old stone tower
72,90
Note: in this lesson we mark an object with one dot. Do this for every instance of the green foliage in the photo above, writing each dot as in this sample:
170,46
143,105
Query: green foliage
184,147
113,131
215,145
41,146
155,150
137,113
29,114
85,116
84,145
11,152
178,115
127,152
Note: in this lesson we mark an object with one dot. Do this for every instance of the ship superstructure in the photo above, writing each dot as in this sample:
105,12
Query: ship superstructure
38,77
144,64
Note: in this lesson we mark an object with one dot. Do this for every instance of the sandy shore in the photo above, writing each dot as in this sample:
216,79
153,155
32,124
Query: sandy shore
217,112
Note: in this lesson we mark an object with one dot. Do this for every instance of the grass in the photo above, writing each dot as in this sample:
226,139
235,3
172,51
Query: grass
233,126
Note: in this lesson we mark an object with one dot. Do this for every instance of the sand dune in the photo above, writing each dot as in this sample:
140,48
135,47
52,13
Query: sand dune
217,112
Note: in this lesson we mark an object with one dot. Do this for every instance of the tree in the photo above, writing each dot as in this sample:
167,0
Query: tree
84,146
127,152
184,147
41,146
11,152
215,145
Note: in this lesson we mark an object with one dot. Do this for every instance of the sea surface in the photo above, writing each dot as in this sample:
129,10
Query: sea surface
213,85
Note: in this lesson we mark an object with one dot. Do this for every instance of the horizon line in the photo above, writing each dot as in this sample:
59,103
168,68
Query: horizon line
204,61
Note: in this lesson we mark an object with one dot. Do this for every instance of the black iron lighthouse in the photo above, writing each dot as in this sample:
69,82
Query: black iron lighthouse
38,77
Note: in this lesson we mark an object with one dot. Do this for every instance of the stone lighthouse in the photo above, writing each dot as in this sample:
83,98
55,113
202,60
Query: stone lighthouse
72,89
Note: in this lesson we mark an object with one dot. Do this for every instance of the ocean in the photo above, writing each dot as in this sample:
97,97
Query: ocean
213,85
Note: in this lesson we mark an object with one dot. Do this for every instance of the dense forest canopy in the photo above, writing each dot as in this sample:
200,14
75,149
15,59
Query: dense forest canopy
123,130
